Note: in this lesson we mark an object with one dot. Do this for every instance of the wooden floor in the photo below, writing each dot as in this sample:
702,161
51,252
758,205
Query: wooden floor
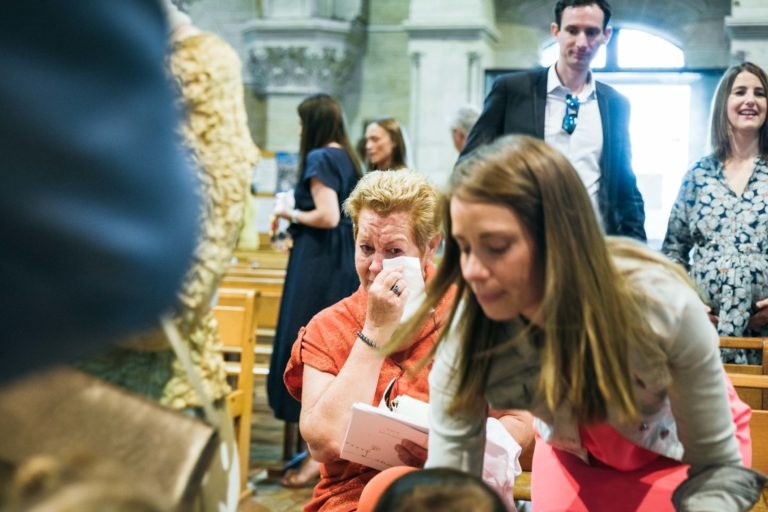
266,461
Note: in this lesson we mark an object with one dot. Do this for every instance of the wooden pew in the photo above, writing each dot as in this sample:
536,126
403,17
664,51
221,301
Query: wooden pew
758,426
264,270
263,263
755,398
259,273
271,290
270,293
265,257
522,490
751,383
236,312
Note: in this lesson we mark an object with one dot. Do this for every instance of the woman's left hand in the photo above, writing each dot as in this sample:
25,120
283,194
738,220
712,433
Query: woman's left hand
712,316
759,318
283,214
411,454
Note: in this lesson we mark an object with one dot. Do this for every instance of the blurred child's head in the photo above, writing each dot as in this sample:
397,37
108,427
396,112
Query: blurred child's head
444,489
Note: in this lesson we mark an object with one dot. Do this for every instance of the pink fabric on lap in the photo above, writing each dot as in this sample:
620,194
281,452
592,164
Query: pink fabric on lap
622,477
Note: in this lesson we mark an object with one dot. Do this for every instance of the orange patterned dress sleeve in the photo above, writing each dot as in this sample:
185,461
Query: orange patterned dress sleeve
325,344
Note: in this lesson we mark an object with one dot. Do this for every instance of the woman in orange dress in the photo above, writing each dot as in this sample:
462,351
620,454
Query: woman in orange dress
336,359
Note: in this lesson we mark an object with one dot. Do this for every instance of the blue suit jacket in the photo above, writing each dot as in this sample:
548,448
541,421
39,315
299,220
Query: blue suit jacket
516,105
97,208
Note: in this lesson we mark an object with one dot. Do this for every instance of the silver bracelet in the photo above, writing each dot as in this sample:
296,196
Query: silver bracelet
294,216
368,341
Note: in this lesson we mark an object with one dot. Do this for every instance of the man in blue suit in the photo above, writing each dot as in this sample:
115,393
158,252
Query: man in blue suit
586,120
97,208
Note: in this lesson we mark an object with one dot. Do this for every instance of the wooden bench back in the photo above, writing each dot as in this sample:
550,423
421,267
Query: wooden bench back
758,425
271,290
236,312
755,398
264,257
259,273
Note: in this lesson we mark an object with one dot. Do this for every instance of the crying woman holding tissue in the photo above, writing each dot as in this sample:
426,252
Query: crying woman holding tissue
336,359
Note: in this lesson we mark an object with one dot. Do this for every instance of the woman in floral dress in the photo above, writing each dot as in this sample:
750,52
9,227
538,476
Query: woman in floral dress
718,228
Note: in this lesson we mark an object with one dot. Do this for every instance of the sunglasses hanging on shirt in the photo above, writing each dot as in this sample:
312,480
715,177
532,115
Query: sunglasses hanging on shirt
571,113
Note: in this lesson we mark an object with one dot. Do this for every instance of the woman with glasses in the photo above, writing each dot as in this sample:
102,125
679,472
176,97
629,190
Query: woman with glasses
610,348
718,228
337,361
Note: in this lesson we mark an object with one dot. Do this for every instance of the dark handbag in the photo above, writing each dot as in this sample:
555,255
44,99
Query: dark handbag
62,412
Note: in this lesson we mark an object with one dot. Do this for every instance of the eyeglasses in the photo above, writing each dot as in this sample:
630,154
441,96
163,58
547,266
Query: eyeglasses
571,113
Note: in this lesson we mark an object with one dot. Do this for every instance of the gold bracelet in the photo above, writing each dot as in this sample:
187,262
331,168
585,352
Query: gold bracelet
368,341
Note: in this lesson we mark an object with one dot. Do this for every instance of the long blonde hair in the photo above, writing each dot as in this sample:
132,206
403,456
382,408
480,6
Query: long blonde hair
590,315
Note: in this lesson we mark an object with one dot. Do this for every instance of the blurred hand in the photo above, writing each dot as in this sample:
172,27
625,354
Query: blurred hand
282,213
411,454
518,422
712,317
760,317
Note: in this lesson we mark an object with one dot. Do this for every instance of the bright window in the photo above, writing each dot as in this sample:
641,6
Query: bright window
638,49
659,129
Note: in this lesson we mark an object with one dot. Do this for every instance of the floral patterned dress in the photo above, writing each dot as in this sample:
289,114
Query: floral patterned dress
722,240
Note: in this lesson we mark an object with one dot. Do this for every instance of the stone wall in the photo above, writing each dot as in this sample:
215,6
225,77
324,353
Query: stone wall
748,29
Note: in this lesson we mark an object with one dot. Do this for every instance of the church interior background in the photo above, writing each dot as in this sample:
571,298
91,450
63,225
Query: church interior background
419,60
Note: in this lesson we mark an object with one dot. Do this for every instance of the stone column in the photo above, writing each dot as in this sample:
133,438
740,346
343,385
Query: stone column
748,29
453,40
414,122
289,8
474,78
293,54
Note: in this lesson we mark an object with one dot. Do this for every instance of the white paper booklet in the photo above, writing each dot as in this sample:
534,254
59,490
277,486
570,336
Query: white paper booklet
373,432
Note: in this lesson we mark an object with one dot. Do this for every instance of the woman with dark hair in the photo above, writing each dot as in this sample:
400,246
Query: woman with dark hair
609,348
321,267
717,228
385,145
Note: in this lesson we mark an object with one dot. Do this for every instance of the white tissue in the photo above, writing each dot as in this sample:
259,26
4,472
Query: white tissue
501,463
413,275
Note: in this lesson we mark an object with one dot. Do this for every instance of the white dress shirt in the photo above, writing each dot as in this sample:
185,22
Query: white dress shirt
585,145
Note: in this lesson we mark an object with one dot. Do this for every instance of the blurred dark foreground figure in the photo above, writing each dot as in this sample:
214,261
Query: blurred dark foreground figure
97,210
